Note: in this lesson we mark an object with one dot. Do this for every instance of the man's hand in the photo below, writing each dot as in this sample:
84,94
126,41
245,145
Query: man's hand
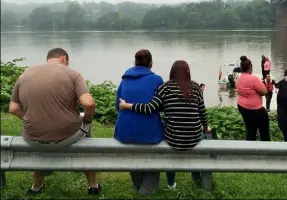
88,103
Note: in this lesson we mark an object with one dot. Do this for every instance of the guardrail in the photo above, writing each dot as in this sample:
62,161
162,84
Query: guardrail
107,154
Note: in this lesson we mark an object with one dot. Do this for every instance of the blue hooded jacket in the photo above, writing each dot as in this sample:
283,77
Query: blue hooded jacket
138,85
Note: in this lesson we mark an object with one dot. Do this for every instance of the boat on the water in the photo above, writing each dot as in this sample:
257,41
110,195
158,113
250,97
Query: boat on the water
229,73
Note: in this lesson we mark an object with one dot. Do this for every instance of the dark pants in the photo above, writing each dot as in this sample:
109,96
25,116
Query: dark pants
255,119
266,72
263,72
268,99
283,127
170,176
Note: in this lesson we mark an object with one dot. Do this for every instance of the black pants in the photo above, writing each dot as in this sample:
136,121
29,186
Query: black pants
266,72
268,99
263,72
283,127
255,119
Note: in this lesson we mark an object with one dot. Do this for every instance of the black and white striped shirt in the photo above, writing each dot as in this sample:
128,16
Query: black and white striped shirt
183,120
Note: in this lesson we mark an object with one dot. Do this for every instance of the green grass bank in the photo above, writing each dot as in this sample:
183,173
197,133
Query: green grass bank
65,185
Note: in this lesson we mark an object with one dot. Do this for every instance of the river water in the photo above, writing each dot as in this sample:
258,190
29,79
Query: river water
101,56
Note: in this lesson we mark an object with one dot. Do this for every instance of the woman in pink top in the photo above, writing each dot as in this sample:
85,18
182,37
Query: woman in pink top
267,67
250,90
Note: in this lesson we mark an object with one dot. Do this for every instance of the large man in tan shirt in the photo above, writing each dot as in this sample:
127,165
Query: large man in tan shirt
45,97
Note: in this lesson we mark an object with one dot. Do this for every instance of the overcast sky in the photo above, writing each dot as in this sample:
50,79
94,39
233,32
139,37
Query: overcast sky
109,1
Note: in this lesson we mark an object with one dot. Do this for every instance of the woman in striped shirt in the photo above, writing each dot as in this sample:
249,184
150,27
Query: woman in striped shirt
182,102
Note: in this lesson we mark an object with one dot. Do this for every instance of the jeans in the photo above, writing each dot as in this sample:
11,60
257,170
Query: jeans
170,176
84,132
145,182
268,99
253,120
283,128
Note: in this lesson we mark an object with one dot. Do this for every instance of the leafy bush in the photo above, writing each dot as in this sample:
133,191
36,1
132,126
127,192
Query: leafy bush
105,97
9,75
226,122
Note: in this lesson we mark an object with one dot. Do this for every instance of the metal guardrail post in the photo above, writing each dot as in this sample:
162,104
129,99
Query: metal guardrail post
206,181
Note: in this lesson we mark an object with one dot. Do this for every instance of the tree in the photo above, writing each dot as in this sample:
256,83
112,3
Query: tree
74,17
8,20
41,18
115,20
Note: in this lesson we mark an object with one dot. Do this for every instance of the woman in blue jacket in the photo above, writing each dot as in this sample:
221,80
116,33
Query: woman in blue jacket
138,85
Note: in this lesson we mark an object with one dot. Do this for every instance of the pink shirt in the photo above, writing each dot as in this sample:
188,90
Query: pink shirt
267,65
248,87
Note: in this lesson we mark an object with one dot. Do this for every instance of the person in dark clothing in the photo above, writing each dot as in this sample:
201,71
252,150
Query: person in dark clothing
237,70
282,105
262,66
270,87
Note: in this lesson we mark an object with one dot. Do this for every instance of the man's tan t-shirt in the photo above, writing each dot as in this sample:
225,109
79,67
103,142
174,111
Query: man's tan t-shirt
48,95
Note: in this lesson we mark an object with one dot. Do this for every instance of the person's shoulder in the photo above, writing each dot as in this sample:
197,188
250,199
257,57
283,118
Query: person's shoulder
157,78
195,85
72,72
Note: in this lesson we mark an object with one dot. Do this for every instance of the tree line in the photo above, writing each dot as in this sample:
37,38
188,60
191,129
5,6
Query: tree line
69,15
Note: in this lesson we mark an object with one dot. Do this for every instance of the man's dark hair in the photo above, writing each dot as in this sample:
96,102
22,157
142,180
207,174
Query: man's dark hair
57,53
201,85
285,72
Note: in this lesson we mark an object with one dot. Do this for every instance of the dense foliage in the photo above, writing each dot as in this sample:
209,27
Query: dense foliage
9,75
71,15
226,122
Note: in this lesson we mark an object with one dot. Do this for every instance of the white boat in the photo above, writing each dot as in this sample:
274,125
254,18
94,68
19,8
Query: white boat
229,73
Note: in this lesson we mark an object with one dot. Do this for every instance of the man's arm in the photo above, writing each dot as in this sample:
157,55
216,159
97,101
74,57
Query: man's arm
15,106
85,98
16,109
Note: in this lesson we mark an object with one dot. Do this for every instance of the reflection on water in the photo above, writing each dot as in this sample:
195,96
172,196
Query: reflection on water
101,56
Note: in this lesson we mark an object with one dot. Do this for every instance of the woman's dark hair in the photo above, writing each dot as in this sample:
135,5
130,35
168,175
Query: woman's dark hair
180,74
285,72
245,64
143,58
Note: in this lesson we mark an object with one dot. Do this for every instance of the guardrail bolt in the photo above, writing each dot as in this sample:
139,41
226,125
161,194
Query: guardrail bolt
6,138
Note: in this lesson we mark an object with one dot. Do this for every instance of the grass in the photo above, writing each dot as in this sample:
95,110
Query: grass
66,185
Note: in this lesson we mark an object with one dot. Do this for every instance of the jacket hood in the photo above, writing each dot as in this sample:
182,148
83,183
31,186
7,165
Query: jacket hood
137,72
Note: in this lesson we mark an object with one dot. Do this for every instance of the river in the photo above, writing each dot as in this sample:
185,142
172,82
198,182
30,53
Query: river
101,56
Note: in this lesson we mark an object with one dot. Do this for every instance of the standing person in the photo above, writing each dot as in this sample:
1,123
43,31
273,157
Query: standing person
282,105
139,84
262,66
45,98
250,90
185,116
270,87
267,67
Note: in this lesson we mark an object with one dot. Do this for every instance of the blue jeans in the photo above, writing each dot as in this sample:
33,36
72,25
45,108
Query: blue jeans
170,176
283,127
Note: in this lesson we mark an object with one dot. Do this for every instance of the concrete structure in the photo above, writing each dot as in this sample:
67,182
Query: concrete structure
281,12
